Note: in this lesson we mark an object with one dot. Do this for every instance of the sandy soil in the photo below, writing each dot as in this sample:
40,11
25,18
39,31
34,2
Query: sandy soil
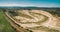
51,22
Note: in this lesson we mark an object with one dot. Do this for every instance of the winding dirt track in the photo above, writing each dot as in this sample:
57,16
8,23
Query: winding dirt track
50,22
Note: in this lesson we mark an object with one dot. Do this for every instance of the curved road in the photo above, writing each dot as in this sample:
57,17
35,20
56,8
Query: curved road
50,22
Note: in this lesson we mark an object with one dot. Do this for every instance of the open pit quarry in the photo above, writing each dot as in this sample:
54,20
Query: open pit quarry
36,21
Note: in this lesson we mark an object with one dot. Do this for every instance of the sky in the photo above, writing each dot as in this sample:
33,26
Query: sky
37,3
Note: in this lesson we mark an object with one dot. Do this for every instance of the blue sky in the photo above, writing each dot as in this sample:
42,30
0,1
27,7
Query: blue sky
38,3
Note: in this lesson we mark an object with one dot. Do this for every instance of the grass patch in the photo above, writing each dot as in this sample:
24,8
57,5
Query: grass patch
4,24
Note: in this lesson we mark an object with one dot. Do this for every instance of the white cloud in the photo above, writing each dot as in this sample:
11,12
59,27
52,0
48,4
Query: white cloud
25,5
16,5
48,5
